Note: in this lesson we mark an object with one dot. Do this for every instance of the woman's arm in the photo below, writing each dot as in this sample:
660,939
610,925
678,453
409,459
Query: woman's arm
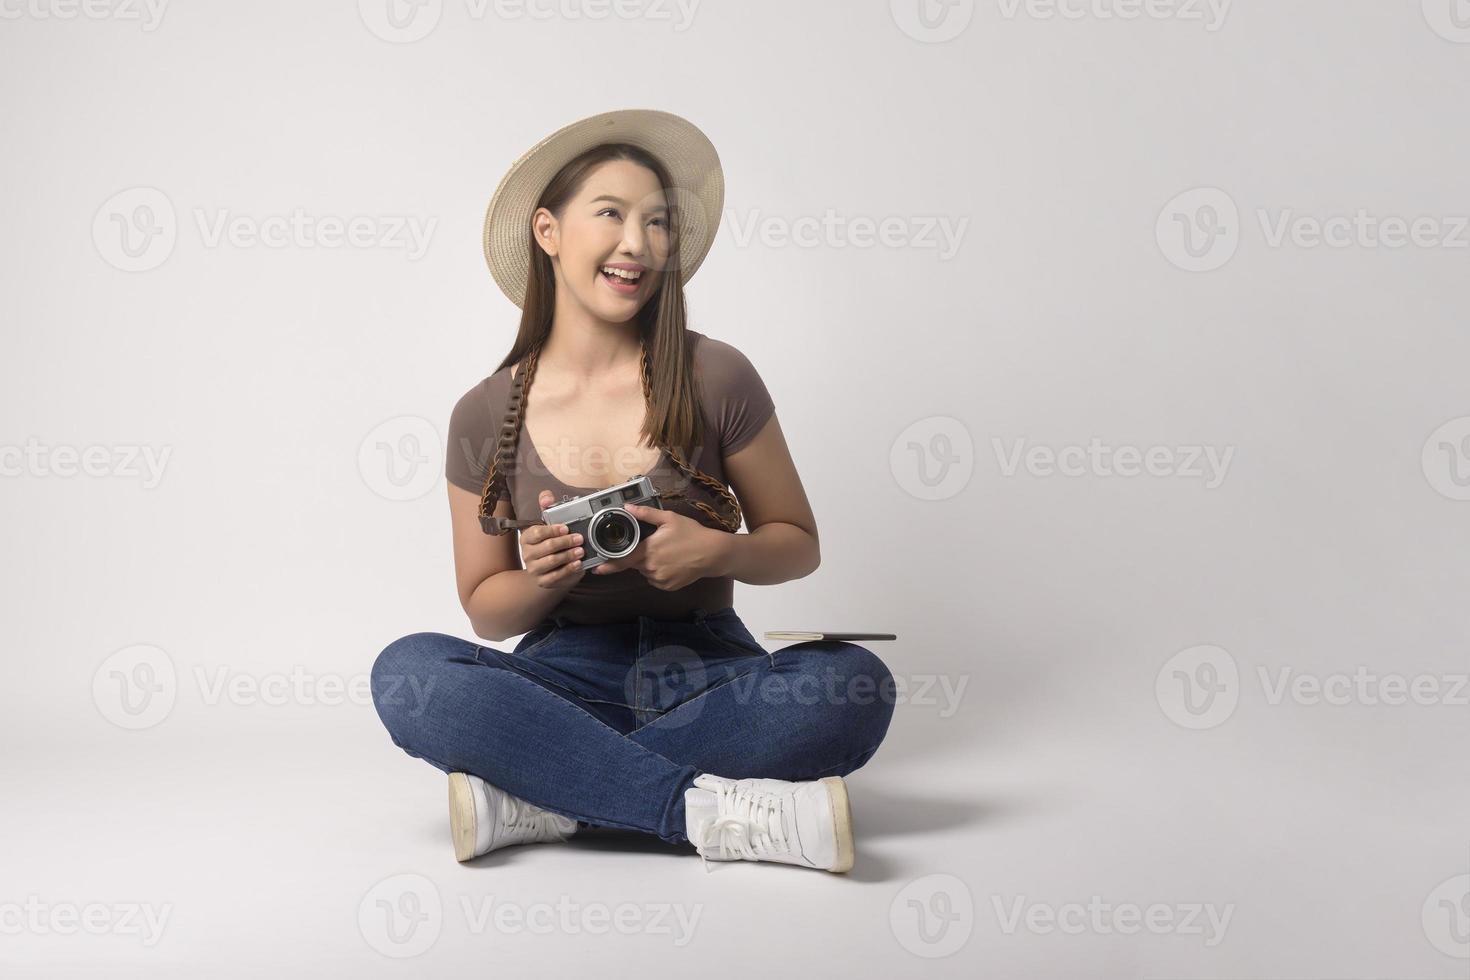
500,597
782,541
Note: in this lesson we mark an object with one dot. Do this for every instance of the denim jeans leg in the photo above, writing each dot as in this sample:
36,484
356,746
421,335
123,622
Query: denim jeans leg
460,707
812,709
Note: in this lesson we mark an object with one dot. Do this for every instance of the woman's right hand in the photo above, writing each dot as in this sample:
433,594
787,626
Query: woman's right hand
551,554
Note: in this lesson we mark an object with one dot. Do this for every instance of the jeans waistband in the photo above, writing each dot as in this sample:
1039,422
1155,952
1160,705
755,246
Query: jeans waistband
697,615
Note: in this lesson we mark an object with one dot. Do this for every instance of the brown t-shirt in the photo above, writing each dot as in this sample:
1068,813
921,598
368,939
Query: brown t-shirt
735,405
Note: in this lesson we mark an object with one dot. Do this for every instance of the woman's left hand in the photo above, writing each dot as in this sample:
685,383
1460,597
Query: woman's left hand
679,551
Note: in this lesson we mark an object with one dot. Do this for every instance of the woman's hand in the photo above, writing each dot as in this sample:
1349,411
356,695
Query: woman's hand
679,551
550,554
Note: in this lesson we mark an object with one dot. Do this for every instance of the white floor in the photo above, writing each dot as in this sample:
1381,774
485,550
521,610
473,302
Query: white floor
285,841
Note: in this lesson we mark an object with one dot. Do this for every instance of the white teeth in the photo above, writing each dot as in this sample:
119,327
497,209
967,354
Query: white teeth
623,273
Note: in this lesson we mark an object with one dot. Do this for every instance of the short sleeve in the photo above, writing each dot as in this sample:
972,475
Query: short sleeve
471,441
736,396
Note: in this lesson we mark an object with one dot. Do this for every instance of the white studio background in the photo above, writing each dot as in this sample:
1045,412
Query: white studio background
989,257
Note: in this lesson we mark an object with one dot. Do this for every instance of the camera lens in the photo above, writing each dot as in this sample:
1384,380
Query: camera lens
613,532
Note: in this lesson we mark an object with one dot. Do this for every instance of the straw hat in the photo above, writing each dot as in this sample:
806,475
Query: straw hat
694,167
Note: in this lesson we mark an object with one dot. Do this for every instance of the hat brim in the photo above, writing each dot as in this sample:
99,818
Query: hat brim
689,156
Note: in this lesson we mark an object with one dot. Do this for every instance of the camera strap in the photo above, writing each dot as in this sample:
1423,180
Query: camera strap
505,449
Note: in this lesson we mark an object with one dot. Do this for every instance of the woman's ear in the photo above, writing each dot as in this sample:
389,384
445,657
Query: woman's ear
544,228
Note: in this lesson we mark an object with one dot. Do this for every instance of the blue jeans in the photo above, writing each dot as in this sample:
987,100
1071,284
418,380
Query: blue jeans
610,723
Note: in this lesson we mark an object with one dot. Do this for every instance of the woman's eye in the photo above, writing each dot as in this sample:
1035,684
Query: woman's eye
656,222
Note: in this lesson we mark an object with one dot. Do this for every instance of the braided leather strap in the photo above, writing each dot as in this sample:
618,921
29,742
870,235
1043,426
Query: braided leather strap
510,430
731,523
505,448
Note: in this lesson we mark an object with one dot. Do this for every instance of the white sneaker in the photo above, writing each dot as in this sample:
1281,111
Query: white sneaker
483,817
806,823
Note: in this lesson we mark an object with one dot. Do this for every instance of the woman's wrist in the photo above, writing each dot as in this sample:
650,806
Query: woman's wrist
724,547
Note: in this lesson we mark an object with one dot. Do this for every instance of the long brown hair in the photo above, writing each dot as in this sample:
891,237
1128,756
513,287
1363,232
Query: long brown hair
673,420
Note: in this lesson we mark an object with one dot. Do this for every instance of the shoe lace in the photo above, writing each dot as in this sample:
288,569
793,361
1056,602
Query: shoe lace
750,824
520,820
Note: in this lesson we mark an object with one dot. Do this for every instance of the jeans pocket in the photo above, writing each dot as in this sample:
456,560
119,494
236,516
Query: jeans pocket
726,629
537,638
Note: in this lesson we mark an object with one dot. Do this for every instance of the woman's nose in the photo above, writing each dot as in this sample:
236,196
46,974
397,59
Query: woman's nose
633,238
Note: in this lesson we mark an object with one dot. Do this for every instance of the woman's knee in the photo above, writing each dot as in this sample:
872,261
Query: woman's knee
406,671
855,684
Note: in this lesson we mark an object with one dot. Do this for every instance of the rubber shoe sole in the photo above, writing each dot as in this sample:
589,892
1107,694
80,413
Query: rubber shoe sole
462,816
841,822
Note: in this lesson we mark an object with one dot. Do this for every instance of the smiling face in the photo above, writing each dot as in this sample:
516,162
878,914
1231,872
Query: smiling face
611,243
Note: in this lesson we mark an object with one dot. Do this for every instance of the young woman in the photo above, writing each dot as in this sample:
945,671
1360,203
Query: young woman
637,698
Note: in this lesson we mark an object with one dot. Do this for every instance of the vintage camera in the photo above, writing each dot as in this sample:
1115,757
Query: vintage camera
607,529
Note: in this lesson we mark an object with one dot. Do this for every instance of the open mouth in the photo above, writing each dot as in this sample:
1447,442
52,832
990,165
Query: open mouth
622,280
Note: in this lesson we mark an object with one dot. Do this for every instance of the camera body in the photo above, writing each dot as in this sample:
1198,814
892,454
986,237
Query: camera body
608,530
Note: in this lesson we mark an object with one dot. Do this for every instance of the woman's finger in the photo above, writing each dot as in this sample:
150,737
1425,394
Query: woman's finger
539,533
556,545
553,561
547,542
560,577
568,571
